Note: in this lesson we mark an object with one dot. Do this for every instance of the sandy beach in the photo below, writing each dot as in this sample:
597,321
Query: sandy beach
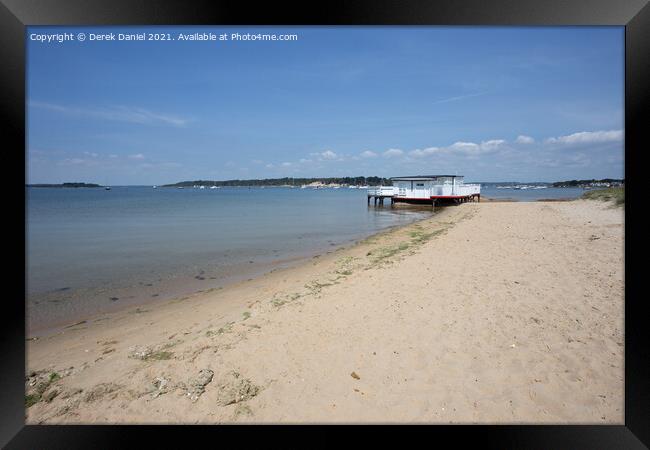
491,312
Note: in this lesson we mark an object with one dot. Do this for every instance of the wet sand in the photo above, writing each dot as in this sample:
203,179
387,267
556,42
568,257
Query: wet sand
495,312
51,312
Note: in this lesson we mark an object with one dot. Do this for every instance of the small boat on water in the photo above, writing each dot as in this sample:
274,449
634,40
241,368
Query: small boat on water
108,188
214,187
155,187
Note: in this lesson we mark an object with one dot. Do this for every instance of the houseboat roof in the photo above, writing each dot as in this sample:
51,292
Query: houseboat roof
425,177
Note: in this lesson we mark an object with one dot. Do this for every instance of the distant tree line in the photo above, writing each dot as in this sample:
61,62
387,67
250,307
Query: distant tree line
66,185
286,181
577,183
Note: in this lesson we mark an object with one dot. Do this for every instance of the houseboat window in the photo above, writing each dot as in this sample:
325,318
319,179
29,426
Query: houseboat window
420,184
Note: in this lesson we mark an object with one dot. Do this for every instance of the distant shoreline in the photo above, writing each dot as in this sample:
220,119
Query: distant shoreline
285,182
65,185
325,183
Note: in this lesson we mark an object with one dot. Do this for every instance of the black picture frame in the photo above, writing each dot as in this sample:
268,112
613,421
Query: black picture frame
15,15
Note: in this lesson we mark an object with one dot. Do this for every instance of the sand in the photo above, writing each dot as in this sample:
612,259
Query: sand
486,313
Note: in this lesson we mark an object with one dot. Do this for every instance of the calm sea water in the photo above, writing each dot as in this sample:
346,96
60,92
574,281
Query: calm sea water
91,250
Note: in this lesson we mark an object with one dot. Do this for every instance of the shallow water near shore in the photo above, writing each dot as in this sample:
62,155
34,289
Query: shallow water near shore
91,251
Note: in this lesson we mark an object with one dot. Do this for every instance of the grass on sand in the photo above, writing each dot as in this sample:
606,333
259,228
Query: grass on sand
615,194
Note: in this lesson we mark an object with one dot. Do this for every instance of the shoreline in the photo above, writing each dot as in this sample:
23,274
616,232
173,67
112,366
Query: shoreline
87,297
186,287
175,290
484,313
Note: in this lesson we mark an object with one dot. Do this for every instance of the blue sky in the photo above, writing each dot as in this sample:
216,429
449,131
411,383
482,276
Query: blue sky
491,103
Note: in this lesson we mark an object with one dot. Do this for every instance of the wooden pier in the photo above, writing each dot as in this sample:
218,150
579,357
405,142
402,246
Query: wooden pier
380,193
379,199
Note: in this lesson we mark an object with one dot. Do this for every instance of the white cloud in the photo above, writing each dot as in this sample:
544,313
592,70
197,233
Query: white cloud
421,153
464,147
587,137
521,139
393,152
286,164
471,148
493,144
327,155
136,156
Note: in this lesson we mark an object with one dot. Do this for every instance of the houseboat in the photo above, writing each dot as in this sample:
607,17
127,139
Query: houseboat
426,189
